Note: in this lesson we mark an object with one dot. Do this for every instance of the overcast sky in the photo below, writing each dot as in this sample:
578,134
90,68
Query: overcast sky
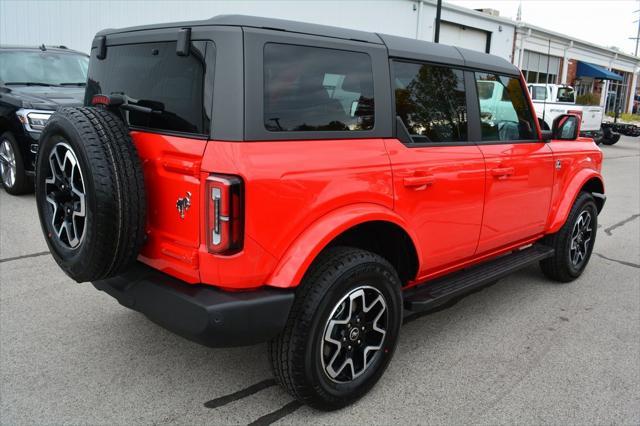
605,22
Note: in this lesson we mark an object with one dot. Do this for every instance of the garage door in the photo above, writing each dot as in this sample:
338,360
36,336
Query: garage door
458,35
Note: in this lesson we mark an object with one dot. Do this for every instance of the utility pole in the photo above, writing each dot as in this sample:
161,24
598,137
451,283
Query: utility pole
637,37
436,37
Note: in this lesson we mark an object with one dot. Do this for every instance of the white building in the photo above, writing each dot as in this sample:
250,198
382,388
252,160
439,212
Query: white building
542,54
73,23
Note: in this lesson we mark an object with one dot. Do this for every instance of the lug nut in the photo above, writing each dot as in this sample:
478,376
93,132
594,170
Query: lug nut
357,319
363,328
358,341
349,348
344,339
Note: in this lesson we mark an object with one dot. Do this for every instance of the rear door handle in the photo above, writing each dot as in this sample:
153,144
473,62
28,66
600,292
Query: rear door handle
417,181
502,171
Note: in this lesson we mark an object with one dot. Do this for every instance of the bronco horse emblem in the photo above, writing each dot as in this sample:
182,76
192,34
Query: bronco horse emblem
183,204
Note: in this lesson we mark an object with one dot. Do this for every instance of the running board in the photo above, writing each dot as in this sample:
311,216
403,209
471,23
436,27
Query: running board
441,290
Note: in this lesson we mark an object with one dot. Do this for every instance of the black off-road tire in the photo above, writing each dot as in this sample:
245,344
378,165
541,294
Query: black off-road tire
114,229
295,353
23,183
612,140
559,267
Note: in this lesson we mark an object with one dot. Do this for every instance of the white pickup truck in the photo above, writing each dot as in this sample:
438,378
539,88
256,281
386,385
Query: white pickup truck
552,100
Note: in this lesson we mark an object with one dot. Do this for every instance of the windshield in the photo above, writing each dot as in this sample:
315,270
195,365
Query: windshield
43,67
566,94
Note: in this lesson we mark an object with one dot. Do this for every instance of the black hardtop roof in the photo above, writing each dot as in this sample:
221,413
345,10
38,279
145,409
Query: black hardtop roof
399,47
411,49
260,22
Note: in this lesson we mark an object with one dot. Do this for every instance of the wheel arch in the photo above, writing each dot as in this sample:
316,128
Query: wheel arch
588,181
366,226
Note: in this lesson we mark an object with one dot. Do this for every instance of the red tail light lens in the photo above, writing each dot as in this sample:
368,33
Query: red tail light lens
100,100
225,214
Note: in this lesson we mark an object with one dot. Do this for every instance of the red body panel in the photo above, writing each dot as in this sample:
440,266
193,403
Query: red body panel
460,205
579,161
445,208
171,168
519,182
290,185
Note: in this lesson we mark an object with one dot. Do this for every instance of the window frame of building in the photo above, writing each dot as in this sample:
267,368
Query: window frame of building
621,90
536,70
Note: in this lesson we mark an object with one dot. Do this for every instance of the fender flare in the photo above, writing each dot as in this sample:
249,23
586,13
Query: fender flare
298,257
571,192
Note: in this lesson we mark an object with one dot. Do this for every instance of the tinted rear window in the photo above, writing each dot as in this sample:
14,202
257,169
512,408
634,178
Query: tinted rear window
317,89
153,75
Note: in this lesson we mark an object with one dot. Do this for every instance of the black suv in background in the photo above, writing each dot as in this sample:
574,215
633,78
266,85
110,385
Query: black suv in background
34,82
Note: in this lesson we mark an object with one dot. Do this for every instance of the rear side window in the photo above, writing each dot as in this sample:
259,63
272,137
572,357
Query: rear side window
153,75
431,102
566,94
506,115
317,89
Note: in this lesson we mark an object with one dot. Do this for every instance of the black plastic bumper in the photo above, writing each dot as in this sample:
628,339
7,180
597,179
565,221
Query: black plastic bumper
201,313
591,134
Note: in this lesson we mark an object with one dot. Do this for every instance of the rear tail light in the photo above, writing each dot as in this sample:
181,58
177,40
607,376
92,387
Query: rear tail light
100,100
225,214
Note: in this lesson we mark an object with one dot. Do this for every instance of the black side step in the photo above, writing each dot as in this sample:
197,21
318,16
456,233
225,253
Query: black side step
441,290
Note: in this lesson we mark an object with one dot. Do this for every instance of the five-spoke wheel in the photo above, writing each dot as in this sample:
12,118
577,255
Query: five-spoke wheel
7,163
354,334
573,243
342,330
581,238
13,175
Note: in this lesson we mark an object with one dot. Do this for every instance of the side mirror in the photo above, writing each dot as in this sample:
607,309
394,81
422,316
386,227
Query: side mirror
547,135
566,127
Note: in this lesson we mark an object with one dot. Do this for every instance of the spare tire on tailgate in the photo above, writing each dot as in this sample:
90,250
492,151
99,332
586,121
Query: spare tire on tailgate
90,193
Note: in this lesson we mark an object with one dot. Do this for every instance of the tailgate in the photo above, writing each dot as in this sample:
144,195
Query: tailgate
171,176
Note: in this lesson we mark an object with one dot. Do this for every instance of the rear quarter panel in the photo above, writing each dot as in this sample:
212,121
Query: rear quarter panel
289,185
576,162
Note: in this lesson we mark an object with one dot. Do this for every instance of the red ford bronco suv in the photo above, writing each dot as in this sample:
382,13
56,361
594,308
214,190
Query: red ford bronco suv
242,180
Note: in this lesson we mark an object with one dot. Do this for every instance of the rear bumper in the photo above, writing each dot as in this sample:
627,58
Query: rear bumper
201,313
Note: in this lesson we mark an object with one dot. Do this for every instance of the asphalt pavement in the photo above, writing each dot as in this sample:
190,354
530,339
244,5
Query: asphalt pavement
524,350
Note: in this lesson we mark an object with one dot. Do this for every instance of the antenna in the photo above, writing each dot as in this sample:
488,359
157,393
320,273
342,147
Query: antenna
546,83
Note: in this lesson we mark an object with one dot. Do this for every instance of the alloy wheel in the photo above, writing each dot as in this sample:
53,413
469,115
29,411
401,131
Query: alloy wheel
65,192
581,236
354,334
7,163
